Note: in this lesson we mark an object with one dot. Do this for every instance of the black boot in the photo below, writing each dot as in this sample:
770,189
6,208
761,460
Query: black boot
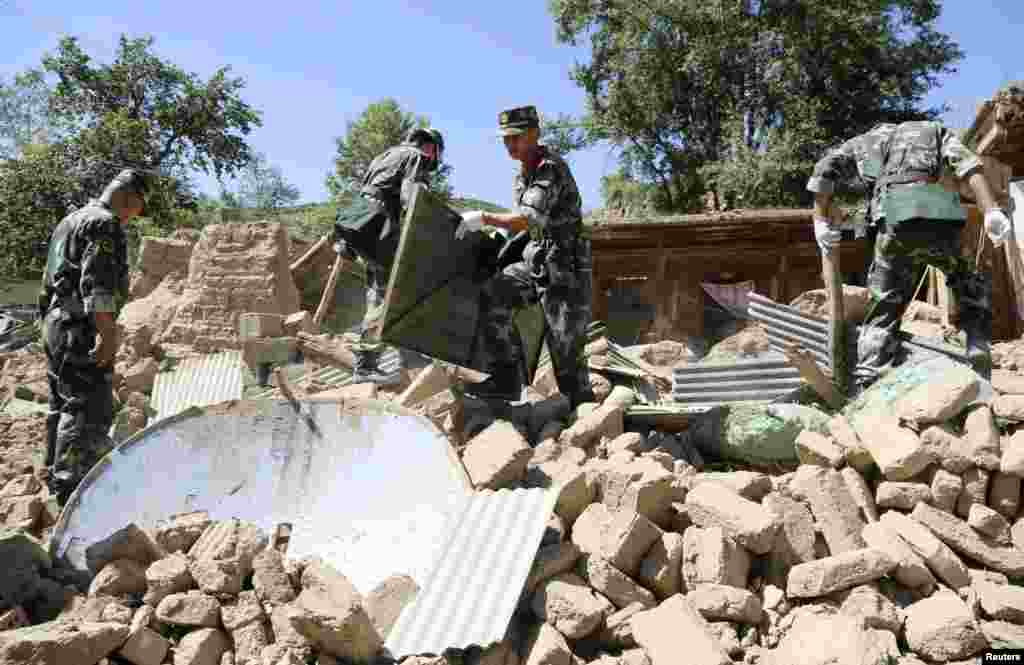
503,384
367,369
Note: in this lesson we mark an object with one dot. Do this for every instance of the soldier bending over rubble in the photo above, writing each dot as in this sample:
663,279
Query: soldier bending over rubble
370,228
918,221
556,270
85,285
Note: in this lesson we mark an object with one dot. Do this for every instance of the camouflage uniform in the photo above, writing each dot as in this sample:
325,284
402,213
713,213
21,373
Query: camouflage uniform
371,227
909,160
556,272
86,272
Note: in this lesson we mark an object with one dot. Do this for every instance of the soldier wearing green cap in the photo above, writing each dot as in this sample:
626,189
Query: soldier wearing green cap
556,270
84,286
369,228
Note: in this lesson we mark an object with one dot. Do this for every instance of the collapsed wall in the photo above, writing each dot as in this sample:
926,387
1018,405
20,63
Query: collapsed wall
232,269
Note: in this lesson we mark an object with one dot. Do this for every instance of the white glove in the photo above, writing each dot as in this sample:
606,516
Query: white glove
997,226
827,235
471,221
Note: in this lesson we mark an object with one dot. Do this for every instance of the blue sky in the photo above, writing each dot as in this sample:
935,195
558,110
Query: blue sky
313,66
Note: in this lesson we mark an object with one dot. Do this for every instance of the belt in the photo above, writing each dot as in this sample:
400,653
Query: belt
559,234
908,178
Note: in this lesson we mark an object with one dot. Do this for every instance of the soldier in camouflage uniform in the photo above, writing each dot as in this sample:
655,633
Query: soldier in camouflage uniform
370,228
916,221
556,270
85,285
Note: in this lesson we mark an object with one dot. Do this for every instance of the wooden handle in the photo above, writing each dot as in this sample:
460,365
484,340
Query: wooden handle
328,294
837,320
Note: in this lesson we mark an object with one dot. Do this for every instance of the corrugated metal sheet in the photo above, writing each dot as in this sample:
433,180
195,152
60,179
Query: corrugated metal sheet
785,325
198,381
334,377
473,590
733,297
757,381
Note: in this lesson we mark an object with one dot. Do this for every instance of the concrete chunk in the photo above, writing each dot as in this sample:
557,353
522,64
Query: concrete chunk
613,584
622,537
675,622
861,493
832,506
661,567
191,609
570,606
748,484
750,524
939,400
947,447
940,559
911,570
57,643
1004,602
1012,460
946,488
718,602
604,421
959,536
981,438
990,524
497,457
898,451
819,450
942,628
855,452
145,647
710,556
902,495
838,572
975,490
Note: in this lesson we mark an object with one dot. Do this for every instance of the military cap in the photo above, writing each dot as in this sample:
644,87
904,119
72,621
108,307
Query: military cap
128,180
517,120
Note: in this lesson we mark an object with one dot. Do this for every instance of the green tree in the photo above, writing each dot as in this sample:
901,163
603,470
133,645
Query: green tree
139,111
263,185
681,85
24,113
380,126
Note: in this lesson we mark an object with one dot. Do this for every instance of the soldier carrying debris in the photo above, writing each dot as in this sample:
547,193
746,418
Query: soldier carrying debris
84,287
556,269
918,221
370,228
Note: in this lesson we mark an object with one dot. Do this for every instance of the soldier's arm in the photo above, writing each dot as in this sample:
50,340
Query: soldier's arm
536,204
100,283
414,172
837,166
966,165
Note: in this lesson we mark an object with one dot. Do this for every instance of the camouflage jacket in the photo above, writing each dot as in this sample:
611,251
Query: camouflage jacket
391,173
87,262
910,148
548,197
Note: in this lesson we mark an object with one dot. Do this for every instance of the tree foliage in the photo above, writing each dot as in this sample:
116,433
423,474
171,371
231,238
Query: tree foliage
380,126
263,185
681,85
24,113
139,111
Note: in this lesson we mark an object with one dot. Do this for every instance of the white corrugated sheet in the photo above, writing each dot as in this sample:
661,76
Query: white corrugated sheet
198,381
471,593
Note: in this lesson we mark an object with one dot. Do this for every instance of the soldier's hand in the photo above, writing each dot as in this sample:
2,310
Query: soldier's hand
105,350
827,235
471,221
997,226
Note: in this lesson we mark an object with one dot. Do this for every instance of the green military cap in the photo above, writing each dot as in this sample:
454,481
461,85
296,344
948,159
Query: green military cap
517,120
129,180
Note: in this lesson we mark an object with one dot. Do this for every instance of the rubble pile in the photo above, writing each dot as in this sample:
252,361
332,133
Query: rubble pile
898,538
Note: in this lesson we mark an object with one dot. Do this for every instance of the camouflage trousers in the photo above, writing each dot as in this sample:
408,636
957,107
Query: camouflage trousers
81,404
376,289
900,256
559,278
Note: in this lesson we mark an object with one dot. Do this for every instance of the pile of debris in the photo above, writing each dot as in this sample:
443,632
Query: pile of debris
898,538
